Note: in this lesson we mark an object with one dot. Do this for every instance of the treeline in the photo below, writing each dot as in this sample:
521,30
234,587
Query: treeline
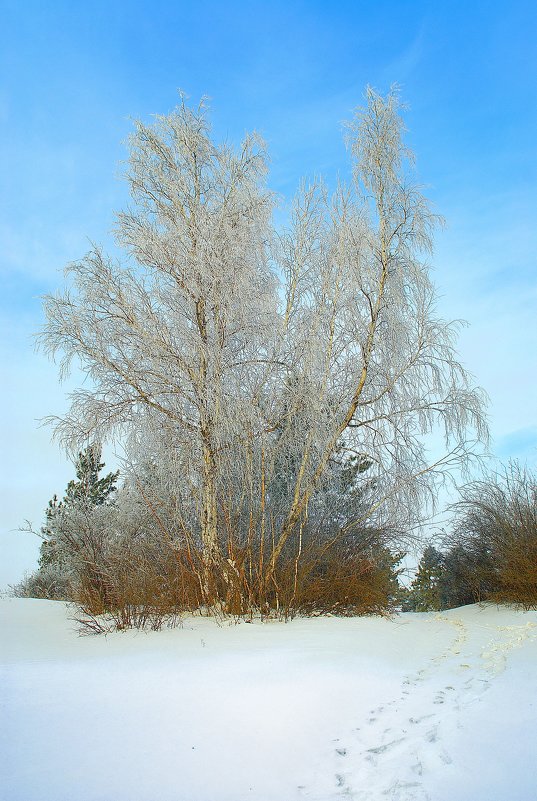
491,554
114,550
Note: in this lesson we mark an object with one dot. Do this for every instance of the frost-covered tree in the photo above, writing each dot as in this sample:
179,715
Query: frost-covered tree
174,340
75,532
252,365
374,363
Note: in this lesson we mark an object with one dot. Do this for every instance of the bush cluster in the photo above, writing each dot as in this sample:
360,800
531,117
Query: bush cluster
491,554
122,557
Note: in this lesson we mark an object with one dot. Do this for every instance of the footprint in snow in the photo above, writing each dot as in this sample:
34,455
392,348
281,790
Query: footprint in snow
404,791
346,791
432,735
417,768
418,720
381,749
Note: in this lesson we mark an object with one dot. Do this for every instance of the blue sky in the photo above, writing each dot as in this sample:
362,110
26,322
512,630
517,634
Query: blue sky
73,75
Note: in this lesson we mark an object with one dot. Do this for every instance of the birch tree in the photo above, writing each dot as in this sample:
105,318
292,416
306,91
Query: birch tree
380,367
169,339
257,363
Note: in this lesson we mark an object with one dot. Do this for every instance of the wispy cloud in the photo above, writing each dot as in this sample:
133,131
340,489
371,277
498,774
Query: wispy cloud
521,444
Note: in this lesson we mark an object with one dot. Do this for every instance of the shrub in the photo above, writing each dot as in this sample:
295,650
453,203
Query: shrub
149,584
494,542
47,582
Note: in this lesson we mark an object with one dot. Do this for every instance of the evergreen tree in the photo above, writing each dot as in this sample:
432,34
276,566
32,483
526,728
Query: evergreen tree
90,488
424,593
85,493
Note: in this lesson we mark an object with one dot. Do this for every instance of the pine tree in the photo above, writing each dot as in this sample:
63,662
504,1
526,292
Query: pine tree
424,592
90,488
87,492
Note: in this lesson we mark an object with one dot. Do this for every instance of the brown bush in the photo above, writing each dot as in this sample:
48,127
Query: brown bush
152,587
497,527
357,584
517,573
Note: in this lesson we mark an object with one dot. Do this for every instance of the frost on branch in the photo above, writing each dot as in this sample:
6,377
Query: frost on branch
271,387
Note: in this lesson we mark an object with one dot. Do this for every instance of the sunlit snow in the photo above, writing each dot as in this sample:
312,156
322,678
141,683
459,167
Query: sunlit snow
422,706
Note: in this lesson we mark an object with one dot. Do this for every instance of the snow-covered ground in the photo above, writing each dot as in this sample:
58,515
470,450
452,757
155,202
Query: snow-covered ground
430,706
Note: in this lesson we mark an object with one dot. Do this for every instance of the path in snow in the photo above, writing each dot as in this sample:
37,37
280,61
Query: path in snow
400,744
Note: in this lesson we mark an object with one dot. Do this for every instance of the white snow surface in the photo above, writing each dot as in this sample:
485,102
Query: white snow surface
422,706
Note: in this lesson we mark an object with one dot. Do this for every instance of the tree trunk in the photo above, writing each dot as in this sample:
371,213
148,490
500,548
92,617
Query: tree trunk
211,556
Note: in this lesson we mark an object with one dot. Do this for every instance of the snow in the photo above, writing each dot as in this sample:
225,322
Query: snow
422,706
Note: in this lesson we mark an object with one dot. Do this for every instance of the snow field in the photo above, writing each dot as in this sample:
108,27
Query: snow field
423,706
